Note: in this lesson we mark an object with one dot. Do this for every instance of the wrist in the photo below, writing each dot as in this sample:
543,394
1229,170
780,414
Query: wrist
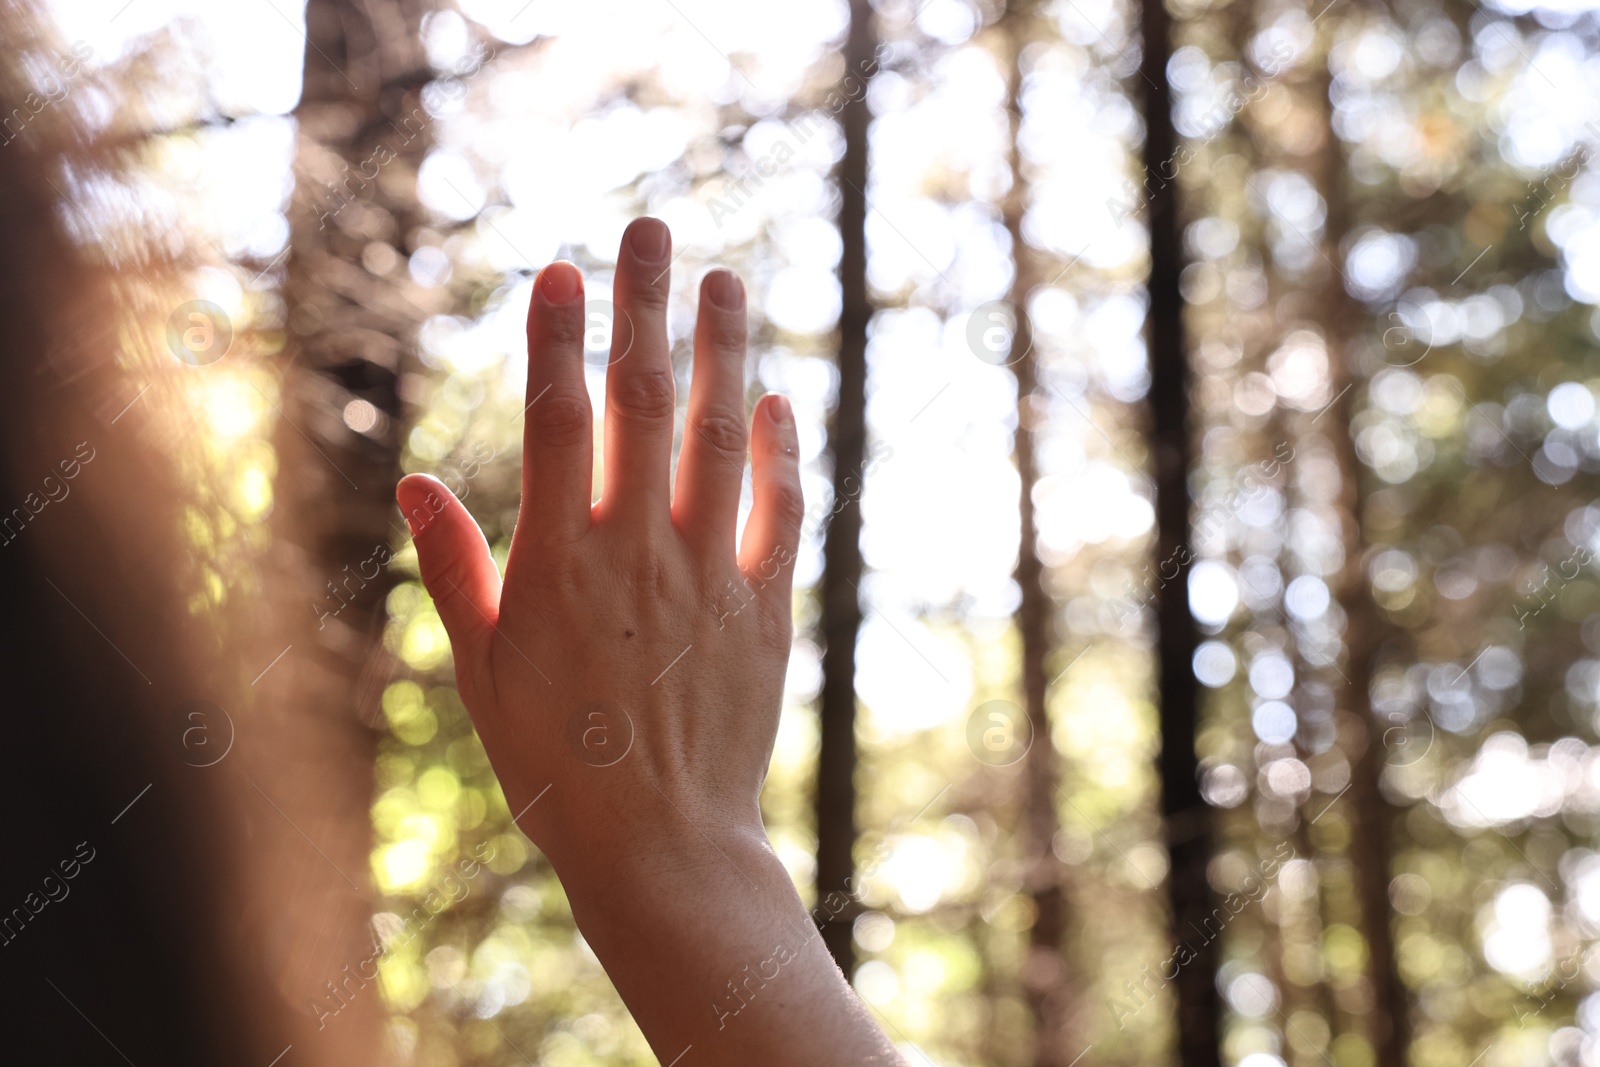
705,943
709,945
632,834
697,862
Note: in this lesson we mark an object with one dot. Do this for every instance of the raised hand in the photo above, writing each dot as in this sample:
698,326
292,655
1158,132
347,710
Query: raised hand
626,675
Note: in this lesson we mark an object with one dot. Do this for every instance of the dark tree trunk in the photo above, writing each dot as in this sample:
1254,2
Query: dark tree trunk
841,549
1045,978
1365,631
130,719
1186,814
363,131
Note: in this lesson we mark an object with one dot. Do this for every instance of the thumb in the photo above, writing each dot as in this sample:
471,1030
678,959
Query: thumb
456,566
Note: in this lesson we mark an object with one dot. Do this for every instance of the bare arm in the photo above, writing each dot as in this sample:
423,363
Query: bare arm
626,677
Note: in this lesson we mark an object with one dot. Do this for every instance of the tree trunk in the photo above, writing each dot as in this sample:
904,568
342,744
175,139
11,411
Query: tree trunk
1045,978
362,134
1370,845
1187,817
840,620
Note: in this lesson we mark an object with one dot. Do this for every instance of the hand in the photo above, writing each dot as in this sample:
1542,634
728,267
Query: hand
626,677
629,664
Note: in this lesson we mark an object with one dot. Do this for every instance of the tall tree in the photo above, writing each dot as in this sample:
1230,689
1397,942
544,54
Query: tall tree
125,629
1366,630
363,131
1295,435
61,677
1046,981
1183,808
842,565
839,589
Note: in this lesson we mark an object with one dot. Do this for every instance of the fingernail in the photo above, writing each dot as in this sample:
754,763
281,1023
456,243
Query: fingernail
780,412
648,238
560,282
725,290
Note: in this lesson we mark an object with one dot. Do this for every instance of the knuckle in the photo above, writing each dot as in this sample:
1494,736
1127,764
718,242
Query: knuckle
649,296
644,396
659,579
643,578
724,432
727,332
559,582
439,578
560,419
788,505
443,580
775,622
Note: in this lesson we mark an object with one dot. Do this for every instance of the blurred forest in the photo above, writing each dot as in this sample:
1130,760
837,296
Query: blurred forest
1198,617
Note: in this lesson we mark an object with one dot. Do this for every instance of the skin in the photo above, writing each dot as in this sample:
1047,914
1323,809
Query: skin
626,675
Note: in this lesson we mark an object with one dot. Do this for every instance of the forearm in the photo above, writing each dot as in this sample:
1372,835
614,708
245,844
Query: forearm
718,960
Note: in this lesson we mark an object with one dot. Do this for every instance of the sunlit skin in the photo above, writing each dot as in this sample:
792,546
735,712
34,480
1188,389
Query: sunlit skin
626,675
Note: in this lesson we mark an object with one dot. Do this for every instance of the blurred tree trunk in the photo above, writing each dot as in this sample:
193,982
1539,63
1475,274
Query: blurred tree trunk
1047,983
1303,922
362,134
1365,630
1185,812
840,619
123,865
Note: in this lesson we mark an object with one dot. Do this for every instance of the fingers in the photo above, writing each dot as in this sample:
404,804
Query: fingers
705,505
558,430
639,389
772,532
456,566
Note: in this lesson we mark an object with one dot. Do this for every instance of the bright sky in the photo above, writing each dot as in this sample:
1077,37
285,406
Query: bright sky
257,44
